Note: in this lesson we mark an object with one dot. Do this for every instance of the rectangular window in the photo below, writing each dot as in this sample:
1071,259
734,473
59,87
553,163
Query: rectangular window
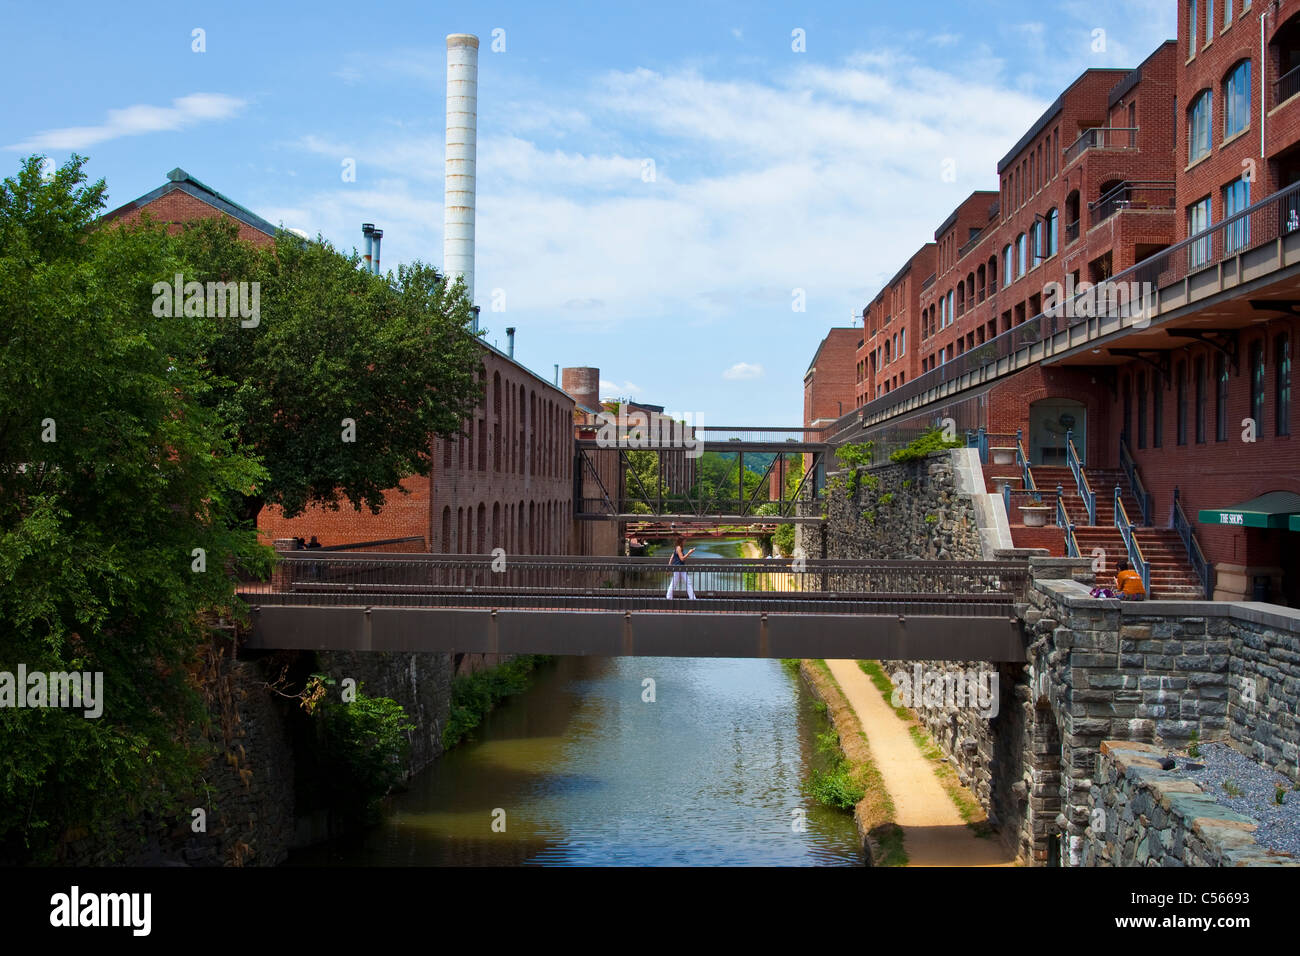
1200,399
1236,197
1193,21
1257,385
1198,220
1221,402
1198,126
1006,266
1157,410
1236,100
1021,248
1182,403
1209,20
1282,385
1227,14
1142,409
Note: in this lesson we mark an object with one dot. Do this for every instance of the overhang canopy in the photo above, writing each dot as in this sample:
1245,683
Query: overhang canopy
1276,509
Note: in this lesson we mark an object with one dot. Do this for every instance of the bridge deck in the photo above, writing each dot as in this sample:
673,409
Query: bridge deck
559,605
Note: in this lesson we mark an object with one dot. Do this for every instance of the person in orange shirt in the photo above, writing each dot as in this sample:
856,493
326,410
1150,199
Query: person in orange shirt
1129,583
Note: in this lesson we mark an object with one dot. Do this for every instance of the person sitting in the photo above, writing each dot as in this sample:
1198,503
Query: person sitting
1129,583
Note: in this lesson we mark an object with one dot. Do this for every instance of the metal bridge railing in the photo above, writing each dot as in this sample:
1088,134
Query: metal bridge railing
431,580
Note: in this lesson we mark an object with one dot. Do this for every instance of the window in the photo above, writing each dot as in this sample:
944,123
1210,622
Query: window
1006,266
1257,385
1236,100
1221,401
1198,220
1236,197
902,341
1181,378
1282,385
1209,20
1021,248
1193,21
1037,233
1157,410
950,307
1053,220
1200,399
1142,409
1198,126
1227,14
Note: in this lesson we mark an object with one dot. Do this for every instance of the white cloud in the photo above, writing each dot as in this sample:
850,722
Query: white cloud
742,370
136,120
612,390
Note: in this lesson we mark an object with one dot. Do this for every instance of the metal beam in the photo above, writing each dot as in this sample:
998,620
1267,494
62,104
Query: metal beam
637,634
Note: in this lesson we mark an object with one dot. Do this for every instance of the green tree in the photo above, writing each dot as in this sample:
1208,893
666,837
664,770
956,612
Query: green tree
394,355
119,482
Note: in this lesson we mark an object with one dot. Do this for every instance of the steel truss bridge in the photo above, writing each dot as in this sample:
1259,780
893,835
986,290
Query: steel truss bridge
899,610
677,497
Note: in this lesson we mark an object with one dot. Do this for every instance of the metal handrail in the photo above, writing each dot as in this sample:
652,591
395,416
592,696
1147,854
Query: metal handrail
1271,218
1063,522
1130,543
1195,556
1286,86
1143,496
1080,478
1023,461
1096,138
1124,195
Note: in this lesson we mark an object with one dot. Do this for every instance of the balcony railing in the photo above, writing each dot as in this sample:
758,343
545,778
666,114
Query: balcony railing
1071,231
970,244
1286,86
1155,195
1102,137
928,282
1266,221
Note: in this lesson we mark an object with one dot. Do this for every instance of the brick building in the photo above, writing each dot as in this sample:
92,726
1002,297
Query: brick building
828,383
1168,190
505,481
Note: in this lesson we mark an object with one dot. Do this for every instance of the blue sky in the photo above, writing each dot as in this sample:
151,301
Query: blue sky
774,170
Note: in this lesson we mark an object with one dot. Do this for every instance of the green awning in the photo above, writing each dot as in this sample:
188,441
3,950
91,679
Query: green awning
1277,509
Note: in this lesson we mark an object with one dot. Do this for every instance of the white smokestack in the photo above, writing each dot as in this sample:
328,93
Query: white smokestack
462,142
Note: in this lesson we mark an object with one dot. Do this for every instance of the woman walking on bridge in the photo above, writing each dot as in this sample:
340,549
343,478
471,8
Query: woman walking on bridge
678,560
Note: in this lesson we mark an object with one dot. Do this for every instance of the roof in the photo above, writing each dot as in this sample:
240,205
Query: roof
180,179
835,332
1048,116
1125,86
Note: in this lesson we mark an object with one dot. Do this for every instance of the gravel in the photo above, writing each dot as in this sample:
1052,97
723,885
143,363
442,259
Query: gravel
1279,824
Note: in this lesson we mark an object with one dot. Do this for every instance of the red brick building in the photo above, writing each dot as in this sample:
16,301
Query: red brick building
828,385
506,481
1170,185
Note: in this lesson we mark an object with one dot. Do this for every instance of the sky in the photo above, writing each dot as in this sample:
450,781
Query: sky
684,195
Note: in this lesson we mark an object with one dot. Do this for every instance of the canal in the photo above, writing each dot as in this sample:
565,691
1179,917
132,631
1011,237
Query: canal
584,769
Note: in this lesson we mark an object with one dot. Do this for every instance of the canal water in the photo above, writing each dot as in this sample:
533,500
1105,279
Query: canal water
581,769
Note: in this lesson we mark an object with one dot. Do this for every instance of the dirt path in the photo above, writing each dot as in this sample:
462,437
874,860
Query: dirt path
933,831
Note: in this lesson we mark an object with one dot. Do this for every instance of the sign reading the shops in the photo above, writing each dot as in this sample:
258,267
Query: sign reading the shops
1226,517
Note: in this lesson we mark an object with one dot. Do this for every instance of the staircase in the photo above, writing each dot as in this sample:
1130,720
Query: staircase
1172,577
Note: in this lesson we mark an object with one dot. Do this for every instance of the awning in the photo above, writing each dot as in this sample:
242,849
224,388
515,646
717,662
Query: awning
1277,509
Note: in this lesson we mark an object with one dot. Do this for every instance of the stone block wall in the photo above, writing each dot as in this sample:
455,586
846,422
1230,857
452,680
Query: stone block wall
1144,815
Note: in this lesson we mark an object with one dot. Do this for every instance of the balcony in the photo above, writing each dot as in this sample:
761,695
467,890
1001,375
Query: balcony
1071,231
928,282
1101,137
1286,86
1152,195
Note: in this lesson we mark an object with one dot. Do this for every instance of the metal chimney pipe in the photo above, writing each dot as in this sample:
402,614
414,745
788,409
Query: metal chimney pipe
557,374
379,234
461,155
367,230
475,310
510,341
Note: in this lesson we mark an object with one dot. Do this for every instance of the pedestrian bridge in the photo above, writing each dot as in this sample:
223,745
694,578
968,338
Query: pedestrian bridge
899,610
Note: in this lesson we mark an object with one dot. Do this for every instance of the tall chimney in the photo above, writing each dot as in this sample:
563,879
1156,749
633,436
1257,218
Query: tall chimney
510,341
462,148
379,234
583,386
367,230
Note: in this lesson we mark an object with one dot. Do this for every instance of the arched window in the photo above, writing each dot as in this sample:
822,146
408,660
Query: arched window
1236,99
1198,126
